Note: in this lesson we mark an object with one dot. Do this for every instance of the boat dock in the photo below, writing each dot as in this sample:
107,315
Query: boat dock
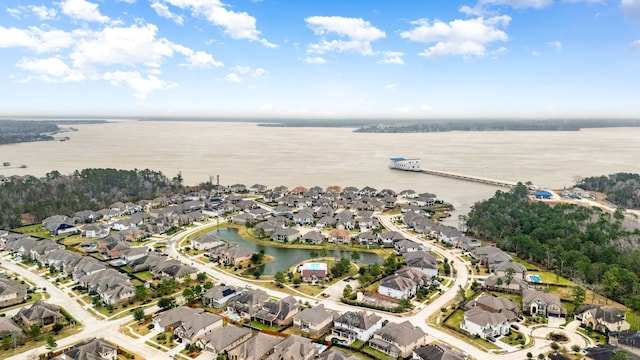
413,165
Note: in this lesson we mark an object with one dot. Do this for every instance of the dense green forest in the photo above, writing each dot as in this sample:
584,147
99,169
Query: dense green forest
14,131
88,189
622,189
589,245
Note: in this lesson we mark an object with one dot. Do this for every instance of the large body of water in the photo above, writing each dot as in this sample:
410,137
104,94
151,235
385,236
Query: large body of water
248,154
285,258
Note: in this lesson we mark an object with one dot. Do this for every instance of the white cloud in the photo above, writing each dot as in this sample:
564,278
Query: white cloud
315,60
163,11
631,8
458,37
259,72
557,45
266,106
140,85
14,12
82,10
242,69
635,45
237,25
122,45
359,34
424,108
43,12
234,78
392,57
201,59
535,53
391,87
35,39
51,69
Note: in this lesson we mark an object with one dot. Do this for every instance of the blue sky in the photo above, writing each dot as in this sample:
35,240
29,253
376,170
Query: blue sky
310,58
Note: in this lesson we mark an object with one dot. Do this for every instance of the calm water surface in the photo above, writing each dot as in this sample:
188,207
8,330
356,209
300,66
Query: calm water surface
248,154
286,258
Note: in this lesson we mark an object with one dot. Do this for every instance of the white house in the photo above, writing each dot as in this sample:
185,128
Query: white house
356,325
484,324
397,287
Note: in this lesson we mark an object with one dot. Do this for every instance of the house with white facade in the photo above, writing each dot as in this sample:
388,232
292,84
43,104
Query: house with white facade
484,324
354,325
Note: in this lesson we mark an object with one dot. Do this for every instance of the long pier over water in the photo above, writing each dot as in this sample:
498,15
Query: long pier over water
413,165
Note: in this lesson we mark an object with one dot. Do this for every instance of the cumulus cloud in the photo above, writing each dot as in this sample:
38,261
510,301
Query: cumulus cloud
140,85
535,53
392,57
355,34
51,69
635,45
163,11
391,87
631,8
234,78
315,60
43,12
82,10
458,37
122,45
202,60
557,45
35,39
237,25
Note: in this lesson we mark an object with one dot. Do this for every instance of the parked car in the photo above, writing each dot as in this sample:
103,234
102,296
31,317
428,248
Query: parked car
515,327
491,338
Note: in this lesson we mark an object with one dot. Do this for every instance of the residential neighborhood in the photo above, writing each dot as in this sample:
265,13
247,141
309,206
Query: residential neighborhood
195,293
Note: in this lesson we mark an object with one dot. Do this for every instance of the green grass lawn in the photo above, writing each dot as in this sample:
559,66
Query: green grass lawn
265,327
634,320
376,354
455,319
144,275
551,278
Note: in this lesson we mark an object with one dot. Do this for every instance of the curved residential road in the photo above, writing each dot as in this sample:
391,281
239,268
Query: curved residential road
92,327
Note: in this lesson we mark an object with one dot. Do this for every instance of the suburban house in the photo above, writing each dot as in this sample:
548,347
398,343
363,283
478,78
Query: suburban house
230,254
206,242
358,325
40,313
219,295
172,318
294,348
113,287
423,261
436,352
304,217
243,218
398,339
11,292
313,237
406,245
484,324
277,312
196,326
9,328
60,225
174,269
388,238
537,303
326,222
503,268
603,318
314,271
490,256
134,253
397,287
248,303
285,235
502,284
97,230
340,236
256,348
315,321
367,238
84,216
223,339
495,304
89,349
628,340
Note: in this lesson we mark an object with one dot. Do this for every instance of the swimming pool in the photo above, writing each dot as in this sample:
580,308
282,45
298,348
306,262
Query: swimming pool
535,278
